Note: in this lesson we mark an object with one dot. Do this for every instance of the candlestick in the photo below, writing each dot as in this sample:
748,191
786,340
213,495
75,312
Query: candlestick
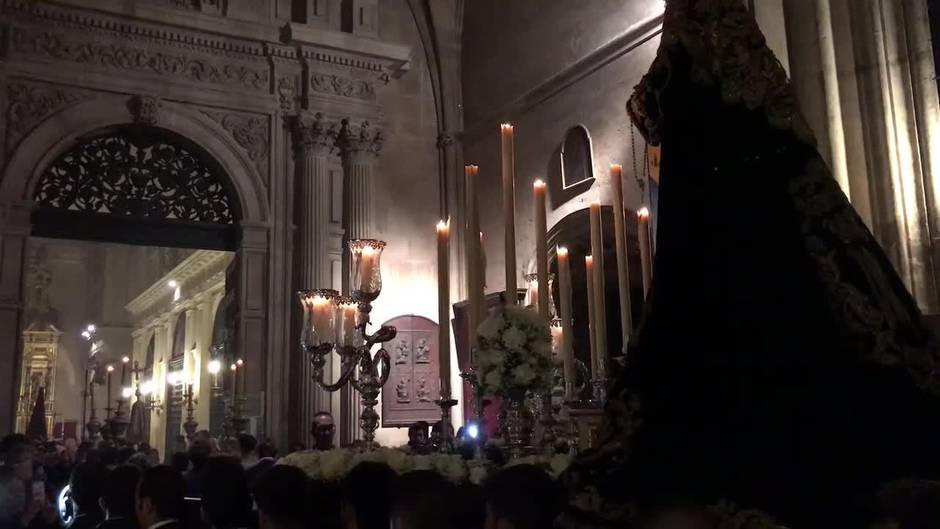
589,275
620,244
443,305
242,372
509,208
564,291
319,315
600,302
646,261
234,369
541,249
474,274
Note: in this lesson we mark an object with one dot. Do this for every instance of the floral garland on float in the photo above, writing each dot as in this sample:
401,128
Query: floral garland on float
333,465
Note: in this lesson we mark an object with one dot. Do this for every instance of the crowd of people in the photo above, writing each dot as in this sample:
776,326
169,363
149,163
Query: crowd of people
212,485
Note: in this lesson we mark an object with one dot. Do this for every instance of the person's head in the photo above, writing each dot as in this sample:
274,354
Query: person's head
247,444
226,502
907,504
180,461
86,483
423,499
17,453
125,453
522,497
418,437
325,503
366,511
469,506
266,449
199,452
280,495
159,495
12,494
117,495
675,513
437,434
322,429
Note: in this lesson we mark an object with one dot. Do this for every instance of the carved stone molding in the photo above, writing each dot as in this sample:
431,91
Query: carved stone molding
359,139
212,7
144,109
286,92
121,56
317,134
342,86
249,131
30,104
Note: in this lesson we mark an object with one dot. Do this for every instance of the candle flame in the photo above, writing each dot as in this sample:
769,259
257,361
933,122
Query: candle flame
233,367
562,251
110,368
506,126
538,184
596,203
443,226
470,170
643,213
589,260
616,167
239,362
125,359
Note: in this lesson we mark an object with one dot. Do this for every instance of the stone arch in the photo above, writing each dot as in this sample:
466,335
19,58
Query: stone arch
60,132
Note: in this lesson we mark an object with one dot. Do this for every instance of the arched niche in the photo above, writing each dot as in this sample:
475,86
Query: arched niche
570,169
66,129
574,233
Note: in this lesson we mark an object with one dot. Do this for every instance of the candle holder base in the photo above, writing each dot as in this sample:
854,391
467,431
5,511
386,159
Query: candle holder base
447,442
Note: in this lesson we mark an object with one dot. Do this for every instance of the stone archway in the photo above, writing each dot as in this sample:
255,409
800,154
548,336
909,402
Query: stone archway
59,133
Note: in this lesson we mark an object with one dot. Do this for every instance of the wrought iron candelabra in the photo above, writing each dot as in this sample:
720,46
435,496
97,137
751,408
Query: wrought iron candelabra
339,324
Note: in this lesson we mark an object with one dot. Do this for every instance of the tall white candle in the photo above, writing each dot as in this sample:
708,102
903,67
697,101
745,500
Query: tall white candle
509,208
368,260
443,305
564,291
646,260
474,273
346,312
541,248
620,243
600,302
322,316
592,336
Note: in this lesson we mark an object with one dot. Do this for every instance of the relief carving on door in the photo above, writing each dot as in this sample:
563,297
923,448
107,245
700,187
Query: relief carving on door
414,381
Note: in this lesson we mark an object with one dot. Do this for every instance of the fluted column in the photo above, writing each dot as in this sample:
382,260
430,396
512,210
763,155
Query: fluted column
313,142
359,146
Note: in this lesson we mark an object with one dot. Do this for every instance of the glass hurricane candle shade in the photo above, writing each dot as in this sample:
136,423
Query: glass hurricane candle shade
319,319
366,269
532,292
346,315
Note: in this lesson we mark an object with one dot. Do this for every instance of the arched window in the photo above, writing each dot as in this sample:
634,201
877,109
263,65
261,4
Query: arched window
576,161
136,183
179,336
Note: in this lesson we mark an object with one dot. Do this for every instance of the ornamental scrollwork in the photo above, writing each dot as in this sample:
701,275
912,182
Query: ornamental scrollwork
114,56
250,132
359,138
144,109
31,104
341,86
317,134
136,173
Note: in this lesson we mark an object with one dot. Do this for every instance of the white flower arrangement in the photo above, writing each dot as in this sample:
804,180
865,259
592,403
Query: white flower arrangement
514,352
333,465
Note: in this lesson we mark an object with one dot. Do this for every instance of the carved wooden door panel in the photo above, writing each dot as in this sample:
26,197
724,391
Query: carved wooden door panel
414,380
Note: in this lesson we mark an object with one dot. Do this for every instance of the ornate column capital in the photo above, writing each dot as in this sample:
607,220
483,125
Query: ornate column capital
359,139
315,135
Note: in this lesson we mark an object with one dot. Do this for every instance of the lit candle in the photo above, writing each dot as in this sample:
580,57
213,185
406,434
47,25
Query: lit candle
620,243
124,362
240,378
474,273
541,248
368,260
234,370
107,400
600,302
589,275
509,209
322,316
646,261
346,310
443,305
482,263
564,291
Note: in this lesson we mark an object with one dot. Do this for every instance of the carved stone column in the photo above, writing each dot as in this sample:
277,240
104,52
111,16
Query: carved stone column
314,142
14,232
359,146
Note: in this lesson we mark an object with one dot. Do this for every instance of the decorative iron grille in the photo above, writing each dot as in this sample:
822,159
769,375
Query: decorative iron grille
133,174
